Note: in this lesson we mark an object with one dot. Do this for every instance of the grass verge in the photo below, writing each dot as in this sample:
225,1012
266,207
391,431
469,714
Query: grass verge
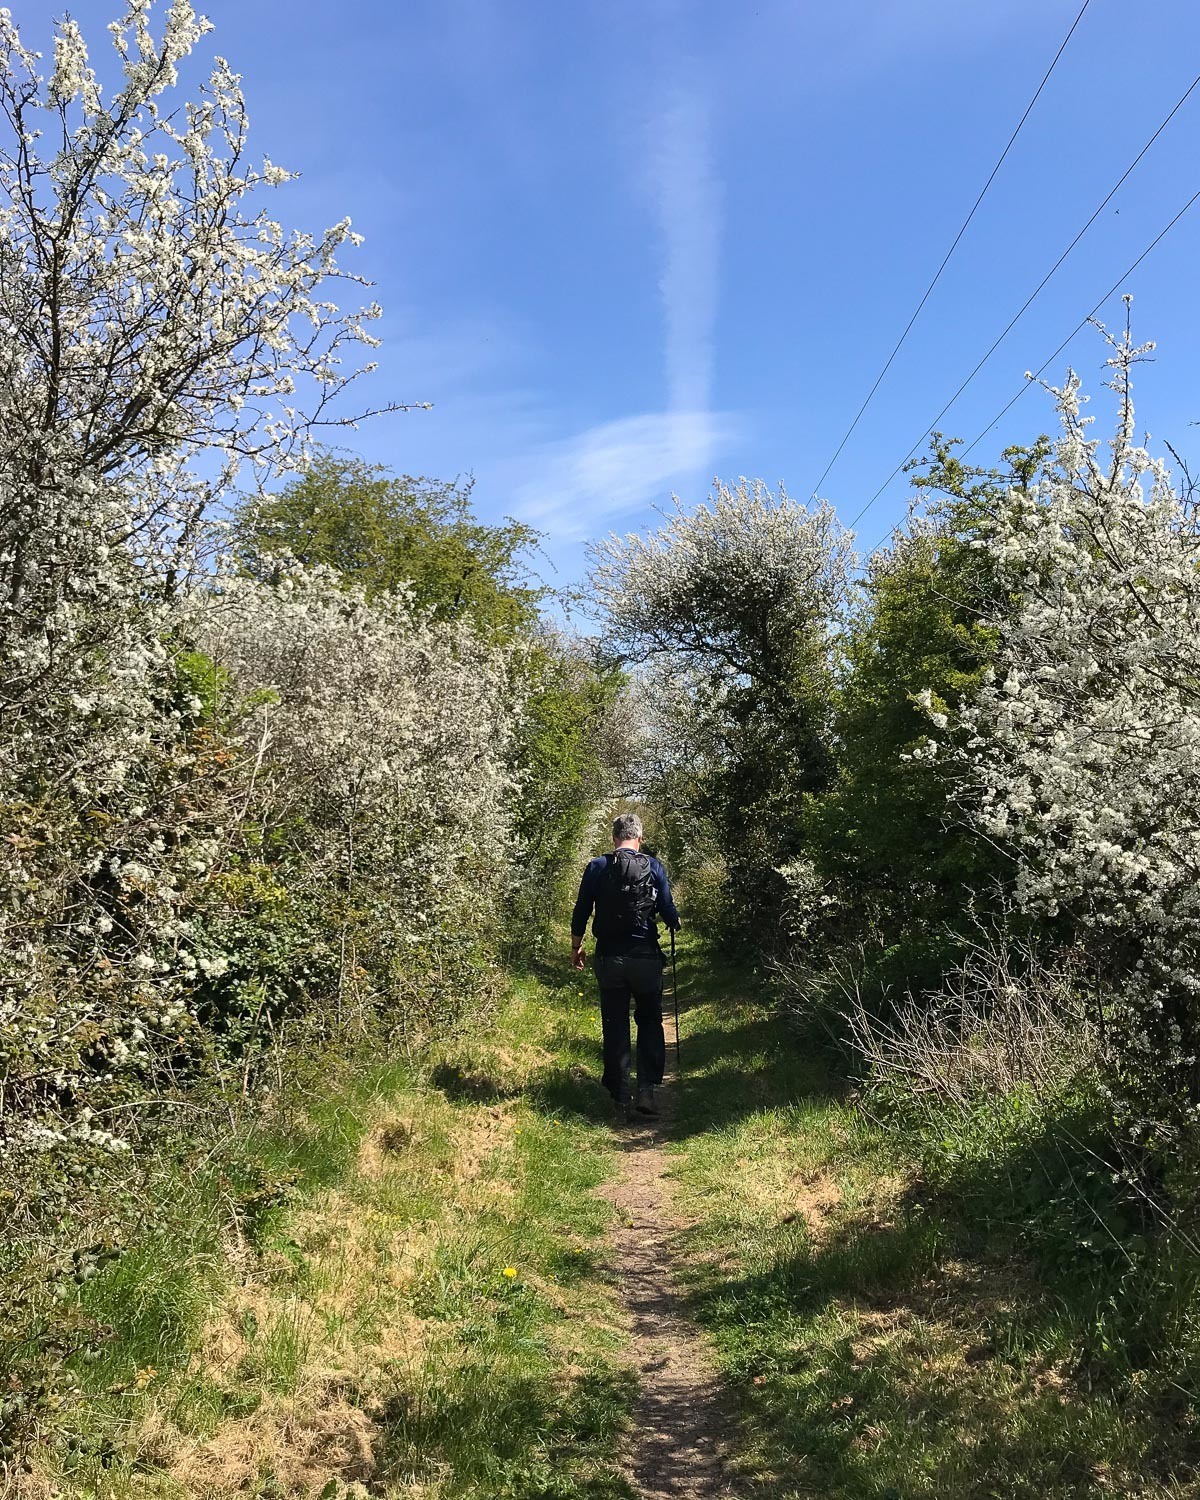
884,1341
402,1294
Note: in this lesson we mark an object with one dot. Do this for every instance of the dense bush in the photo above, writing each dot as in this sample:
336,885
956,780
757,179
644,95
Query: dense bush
383,531
259,795
574,734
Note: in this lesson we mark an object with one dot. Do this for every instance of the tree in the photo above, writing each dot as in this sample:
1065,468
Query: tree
736,600
384,531
906,866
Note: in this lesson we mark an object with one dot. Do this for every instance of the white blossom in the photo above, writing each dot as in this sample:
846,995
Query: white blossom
1083,747
159,335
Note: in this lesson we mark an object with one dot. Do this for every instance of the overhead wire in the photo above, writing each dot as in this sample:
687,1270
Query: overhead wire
1082,324
953,246
1035,375
1025,306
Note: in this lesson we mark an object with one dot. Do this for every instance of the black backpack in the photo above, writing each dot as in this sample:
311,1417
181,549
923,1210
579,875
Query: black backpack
627,895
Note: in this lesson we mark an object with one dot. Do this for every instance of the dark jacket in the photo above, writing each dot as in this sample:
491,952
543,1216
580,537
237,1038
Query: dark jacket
664,907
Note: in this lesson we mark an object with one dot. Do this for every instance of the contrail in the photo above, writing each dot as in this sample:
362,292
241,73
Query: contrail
687,198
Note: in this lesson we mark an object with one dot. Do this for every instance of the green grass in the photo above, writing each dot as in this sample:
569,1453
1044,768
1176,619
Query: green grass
887,1340
403,1286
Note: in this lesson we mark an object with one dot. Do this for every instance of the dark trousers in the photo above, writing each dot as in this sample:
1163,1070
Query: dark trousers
622,977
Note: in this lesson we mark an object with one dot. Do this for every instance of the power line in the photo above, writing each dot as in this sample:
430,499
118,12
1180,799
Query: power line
1036,374
953,246
1025,306
1082,324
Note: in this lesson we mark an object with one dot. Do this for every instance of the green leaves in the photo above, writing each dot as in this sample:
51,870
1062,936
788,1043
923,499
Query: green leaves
382,531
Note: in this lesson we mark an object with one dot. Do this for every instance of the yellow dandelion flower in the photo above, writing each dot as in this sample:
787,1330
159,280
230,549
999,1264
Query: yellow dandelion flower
510,1272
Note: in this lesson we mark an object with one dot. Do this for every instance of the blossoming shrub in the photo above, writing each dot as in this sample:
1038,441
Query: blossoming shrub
727,609
378,791
112,807
153,319
1080,756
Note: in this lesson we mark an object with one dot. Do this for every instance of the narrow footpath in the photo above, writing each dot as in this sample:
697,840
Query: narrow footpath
682,1423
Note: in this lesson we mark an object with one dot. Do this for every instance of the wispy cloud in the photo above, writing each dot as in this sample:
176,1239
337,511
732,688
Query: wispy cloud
687,200
574,487
489,415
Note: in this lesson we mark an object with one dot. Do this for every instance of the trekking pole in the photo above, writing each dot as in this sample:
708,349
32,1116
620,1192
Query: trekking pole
675,997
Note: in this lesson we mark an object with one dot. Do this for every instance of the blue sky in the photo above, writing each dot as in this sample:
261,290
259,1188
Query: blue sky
624,247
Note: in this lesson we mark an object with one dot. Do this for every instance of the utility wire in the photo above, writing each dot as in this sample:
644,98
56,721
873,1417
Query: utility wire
1036,374
953,247
1025,306
1081,325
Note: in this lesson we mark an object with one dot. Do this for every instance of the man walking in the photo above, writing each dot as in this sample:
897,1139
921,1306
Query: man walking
629,891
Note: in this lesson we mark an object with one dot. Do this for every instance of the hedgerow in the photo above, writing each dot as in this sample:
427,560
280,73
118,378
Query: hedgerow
253,808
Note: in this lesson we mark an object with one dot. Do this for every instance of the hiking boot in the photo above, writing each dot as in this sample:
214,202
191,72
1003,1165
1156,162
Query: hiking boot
646,1104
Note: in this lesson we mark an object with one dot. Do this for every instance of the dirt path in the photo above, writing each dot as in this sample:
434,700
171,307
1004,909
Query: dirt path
679,1445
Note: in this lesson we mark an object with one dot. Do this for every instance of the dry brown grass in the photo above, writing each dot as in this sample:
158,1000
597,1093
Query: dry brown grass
301,1443
521,1060
387,1145
817,1199
480,1138
25,1487
352,1307
353,1304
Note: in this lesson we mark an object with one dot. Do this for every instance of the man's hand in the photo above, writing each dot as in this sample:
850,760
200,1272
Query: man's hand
578,956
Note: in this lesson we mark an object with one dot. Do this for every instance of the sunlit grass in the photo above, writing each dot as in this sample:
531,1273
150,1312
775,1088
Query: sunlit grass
403,1287
407,1290
883,1344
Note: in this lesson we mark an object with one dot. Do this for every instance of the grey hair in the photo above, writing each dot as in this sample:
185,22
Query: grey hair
627,826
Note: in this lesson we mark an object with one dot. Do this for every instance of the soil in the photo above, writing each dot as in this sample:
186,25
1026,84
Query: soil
681,1442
